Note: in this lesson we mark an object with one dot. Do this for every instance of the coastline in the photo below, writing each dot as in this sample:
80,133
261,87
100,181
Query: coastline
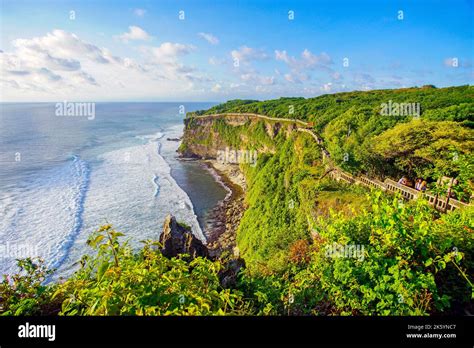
224,219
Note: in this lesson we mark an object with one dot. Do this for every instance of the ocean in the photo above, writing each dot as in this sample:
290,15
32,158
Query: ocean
62,177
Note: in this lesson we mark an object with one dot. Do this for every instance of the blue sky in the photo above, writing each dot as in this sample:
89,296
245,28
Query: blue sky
220,50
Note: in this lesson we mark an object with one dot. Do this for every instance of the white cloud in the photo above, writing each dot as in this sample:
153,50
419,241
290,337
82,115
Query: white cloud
311,60
166,58
327,87
53,61
168,51
59,49
83,77
216,61
307,62
261,89
139,12
257,79
267,80
217,88
134,33
246,77
289,78
59,65
283,56
245,54
296,77
209,38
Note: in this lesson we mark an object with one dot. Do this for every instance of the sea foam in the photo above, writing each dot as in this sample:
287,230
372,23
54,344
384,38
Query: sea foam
42,217
133,190
53,214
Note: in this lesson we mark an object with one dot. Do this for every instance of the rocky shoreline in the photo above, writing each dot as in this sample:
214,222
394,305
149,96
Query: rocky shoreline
221,226
224,219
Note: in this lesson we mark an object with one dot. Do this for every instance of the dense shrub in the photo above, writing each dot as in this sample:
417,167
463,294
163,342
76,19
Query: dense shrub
412,263
25,293
117,281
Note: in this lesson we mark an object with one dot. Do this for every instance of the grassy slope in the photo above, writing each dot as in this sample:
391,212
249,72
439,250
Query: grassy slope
285,193
288,175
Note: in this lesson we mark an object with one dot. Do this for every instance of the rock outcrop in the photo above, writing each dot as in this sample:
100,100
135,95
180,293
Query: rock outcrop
177,239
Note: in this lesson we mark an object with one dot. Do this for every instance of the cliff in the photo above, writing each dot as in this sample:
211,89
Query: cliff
204,137
280,202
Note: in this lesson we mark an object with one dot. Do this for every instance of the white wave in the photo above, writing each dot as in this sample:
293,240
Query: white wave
157,189
152,137
218,179
44,216
131,188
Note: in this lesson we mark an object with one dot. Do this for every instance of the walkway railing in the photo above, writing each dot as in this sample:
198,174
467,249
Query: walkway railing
440,203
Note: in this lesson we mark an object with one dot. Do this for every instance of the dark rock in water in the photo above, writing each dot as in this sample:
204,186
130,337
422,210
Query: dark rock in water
228,276
177,239
173,139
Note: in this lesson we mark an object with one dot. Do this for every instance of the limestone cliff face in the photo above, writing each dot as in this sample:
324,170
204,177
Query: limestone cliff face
201,140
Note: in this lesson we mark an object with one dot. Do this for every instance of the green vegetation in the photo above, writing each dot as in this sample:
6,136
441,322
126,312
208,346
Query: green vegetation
439,104
412,263
350,123
285,193
236,103
284,188
398,257
117,281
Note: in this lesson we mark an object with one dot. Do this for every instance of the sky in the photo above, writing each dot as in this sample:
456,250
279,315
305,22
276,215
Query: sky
219,50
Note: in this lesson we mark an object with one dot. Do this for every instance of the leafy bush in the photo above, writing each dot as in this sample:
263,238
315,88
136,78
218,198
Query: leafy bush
117,281
412,263
405,249
25,293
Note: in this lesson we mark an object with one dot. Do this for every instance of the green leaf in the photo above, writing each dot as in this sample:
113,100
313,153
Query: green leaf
95,241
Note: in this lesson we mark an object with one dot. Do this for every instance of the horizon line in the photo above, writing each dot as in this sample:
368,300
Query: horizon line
237,98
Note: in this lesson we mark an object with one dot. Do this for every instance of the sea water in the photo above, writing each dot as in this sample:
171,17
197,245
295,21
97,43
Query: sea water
63,177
